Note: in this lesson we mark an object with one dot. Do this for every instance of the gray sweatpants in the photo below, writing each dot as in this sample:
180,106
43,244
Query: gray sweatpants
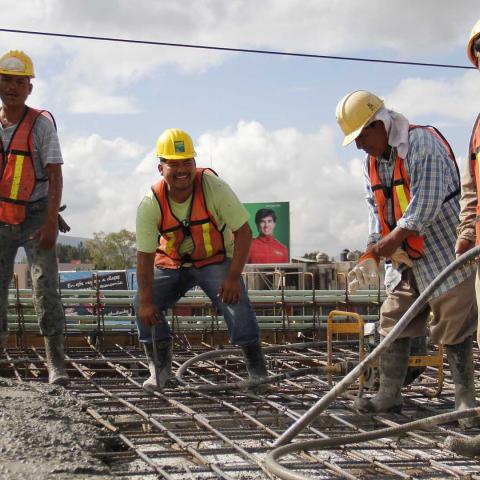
43,270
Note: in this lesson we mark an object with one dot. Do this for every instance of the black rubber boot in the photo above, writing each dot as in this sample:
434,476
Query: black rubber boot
57,375
255,363
460,360
393,369
164,352
468,447
418,346
3,343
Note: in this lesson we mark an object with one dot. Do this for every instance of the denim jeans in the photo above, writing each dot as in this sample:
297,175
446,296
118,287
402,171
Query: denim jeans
169,285
43,270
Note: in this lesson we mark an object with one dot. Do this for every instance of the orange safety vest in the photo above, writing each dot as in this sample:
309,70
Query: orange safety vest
399,194
17,173
474,155
207,239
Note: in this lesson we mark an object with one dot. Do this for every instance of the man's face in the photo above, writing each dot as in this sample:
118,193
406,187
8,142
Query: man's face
373,139
14,90
179,174
476,51
266,226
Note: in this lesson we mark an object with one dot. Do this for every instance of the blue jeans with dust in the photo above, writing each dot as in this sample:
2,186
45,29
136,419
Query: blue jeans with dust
169,285
43,270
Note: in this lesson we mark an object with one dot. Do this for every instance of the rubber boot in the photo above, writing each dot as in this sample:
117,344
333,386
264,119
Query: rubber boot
393,369
164,352
255,364
418,346
468,447
3,343
57,374
460,360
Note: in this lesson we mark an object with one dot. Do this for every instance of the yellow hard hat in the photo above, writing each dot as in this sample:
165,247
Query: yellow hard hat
175,144
473,36
15,62
354,111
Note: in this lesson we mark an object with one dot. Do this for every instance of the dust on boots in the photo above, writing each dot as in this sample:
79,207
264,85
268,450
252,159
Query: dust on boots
54,352
468,447
460,361
255,364
164,352
393,367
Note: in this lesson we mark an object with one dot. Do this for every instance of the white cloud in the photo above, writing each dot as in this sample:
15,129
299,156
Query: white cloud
102,186
326,197
345,27
90,100
450,98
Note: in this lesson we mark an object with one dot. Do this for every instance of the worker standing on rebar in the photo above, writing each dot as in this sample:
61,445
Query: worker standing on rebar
469,228
412,190
30,194
191,231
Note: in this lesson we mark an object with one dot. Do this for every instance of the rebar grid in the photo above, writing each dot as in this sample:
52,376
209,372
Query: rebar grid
180,433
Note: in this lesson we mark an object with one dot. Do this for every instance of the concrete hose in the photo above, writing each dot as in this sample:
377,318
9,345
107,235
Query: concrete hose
271,459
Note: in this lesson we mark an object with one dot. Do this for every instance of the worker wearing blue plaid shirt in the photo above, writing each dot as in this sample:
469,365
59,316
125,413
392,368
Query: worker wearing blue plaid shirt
432,212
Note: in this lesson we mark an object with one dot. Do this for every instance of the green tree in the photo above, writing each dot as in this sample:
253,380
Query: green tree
67,253
311,255
112,251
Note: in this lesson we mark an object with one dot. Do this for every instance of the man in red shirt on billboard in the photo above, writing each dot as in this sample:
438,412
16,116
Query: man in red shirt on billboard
265,248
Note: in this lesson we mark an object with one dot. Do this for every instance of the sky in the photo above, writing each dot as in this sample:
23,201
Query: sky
265,123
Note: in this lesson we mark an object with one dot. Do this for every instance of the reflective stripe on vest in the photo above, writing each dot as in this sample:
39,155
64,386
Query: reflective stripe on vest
399,196
17,173
207,239
474,155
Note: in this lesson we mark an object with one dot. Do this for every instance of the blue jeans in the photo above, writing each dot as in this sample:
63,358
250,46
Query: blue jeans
169,285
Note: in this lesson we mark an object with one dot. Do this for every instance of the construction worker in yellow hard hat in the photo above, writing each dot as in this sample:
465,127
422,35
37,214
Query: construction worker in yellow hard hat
30,194
185,225
469,228
413,186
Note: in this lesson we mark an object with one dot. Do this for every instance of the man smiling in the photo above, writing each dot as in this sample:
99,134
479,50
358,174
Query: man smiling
266,248
191,231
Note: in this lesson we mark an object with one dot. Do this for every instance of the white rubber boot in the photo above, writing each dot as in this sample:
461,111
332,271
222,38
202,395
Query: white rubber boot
57,375
255,364
164,352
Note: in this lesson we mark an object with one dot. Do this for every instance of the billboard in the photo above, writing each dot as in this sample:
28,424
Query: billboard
270,224
88,280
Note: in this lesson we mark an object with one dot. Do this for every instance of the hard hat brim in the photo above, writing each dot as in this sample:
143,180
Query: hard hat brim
352,136
178,157
16,74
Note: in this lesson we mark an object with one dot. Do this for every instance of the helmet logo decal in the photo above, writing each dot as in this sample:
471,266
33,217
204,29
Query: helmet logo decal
13,64
179,146
371,106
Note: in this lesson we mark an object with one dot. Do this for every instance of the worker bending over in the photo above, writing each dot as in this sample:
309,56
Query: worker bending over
30,194
192,231
412,190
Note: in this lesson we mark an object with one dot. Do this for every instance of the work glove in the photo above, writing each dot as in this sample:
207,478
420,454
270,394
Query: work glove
363,273
400,256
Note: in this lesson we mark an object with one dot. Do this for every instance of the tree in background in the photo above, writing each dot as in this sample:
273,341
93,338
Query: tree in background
112,251
67,253
311,255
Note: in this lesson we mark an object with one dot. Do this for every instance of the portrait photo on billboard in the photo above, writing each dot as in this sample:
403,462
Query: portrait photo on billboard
270,224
